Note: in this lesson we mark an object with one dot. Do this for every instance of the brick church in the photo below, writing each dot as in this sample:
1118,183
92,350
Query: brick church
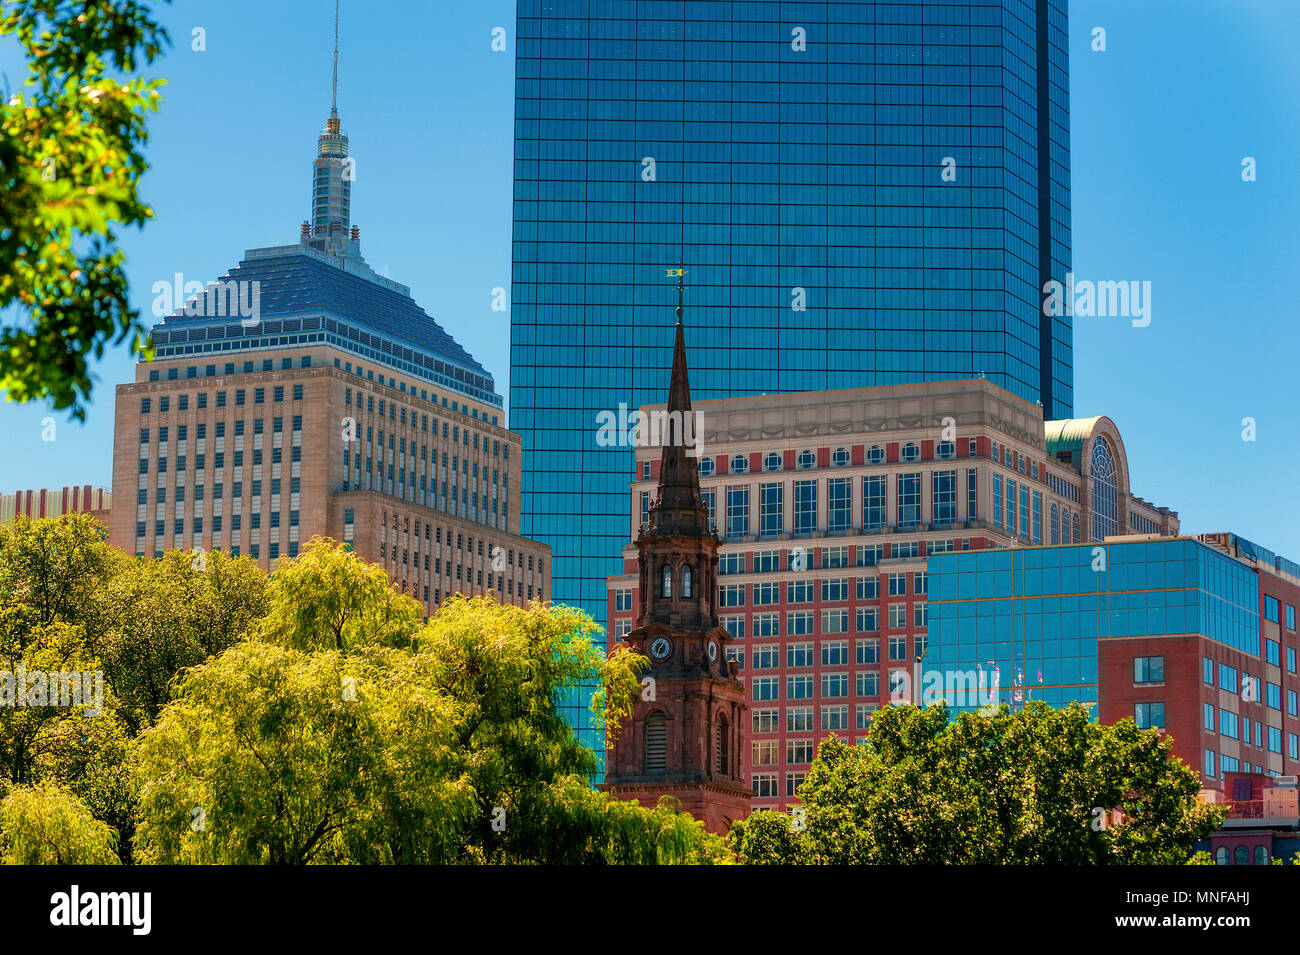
686,736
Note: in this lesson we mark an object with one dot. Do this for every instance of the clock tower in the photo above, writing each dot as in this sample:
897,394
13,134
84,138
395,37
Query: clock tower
686,735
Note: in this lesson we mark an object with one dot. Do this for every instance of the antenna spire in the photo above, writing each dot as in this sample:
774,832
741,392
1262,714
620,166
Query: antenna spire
680,272
334,98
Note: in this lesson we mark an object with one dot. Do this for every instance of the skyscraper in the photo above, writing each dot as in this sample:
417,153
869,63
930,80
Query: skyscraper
302,395
865,194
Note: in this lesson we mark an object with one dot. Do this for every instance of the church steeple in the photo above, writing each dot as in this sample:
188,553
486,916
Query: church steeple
334,170
679,507
687,739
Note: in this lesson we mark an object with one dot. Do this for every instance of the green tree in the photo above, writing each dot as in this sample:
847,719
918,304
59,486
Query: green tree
70,165
328,598
162,615
46,825
1040,785
443,744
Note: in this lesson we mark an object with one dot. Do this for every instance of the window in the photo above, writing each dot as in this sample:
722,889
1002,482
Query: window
840,458
868,588
767,594
1291,703
875,454
705,468
799,655
765,753
897,648
835,589
997,500
806,460
1149,715
945,450
766,688
835,685
1228,678
1290,617
1273,696
770,515
1207,671
764,785
1148,669
737,512
835,621
772,461
868,651
686,582
943,498
799,591
656,743
799,687
835,717
873,502
766,721
1270,608
911,452
897,616
766,657
868,620
868,683
839,509
1207,716
1105,493
799,751
799,719
805,507
1228,724
909,499
739,464
667,588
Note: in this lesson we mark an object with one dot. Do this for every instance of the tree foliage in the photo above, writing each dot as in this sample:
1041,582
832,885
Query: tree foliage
70,166
1039,785
46,825
346,734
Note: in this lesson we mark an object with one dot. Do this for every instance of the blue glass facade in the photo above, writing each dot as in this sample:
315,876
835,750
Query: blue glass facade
1033,616
793,156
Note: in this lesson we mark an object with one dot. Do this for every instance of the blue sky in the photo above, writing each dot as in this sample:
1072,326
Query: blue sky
1160,124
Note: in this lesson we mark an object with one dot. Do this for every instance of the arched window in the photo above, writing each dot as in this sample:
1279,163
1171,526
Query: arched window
656,743
1056,527
720,749
1105,491
667,589
1074,528
1221,855
1261,855
686,581
1241,856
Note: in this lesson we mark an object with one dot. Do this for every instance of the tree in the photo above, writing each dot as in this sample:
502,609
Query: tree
1040,785
162,615
70,165
328,598
46,825
341,735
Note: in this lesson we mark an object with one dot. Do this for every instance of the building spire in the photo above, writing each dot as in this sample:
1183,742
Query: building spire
680,508
330,229
334,97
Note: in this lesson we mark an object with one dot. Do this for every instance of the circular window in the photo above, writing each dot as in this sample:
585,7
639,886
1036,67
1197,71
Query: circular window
772,462
946,449
706,467
911,452
807,459
875,454
739,464
841,457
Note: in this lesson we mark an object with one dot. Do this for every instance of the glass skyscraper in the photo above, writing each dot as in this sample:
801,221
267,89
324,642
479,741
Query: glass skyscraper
862,194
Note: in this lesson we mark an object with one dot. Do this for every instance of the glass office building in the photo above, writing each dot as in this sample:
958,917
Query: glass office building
862,193
1029,620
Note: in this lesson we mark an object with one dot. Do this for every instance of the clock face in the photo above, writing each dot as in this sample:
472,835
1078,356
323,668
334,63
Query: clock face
660,647
713,651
